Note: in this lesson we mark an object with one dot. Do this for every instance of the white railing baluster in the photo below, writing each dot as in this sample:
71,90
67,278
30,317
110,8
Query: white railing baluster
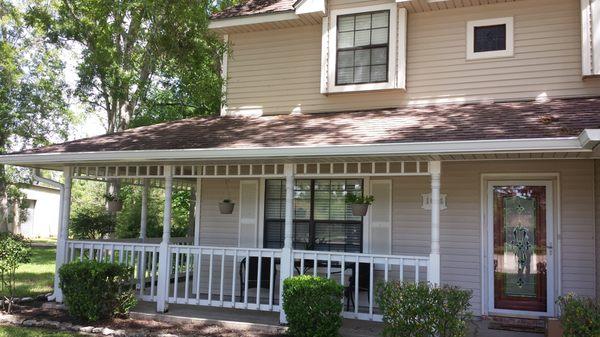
258,278
356,272
371,285
271,280
210,276
142,271
153,271
198,274
416,271
387,263
401,270
315,265
247,267
112,253
176,281
234,277
101,254
187,275
301,263
221,289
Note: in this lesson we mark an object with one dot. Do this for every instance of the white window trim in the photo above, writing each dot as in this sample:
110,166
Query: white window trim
396,48
510,38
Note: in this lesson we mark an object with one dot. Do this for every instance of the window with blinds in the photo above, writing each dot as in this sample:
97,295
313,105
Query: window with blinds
322,219
362,48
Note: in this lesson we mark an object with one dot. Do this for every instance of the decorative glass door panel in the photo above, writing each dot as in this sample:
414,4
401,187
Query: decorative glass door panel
520,250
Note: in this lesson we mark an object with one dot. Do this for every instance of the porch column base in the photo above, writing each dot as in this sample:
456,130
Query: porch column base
433,270
163,278
285,273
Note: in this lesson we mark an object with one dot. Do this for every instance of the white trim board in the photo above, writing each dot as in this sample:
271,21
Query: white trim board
510,38
552,182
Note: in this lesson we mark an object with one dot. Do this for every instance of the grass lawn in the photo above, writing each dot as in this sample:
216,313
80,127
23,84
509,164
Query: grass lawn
13,331
37,277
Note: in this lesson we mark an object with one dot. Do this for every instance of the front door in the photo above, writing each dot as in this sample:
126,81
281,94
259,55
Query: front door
521,228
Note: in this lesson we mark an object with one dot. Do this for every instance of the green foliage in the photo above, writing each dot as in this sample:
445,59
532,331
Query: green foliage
91,224
313,306
143,62
352,198
419,310
15,252
96,290
580,316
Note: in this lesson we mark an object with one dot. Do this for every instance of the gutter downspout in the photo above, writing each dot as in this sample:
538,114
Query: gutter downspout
37,177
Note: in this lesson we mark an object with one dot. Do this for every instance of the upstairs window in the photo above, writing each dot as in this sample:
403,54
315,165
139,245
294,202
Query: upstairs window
490,38
362,48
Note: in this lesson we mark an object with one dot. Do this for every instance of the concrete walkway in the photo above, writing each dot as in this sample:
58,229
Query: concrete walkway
268,322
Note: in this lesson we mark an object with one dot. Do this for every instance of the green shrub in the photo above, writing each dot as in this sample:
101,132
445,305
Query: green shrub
420,310
313,306
95,290
91,224
580,316
14,251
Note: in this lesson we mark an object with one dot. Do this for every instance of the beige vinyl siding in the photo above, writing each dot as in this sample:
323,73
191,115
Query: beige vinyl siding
218,229
597,209
278,71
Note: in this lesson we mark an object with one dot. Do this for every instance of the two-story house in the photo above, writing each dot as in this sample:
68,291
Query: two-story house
475,125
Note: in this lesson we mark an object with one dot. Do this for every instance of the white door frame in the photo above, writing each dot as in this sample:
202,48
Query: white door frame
552,235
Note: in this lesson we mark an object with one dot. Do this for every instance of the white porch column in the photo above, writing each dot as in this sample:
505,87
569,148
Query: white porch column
433,273
198,204
287,261
163,257
63,233
144,213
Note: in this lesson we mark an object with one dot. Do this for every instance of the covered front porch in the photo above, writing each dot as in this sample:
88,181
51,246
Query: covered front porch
288,219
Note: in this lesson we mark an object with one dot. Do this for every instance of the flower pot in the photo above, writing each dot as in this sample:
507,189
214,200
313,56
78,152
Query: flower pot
359,209
554,328
114,206
226,207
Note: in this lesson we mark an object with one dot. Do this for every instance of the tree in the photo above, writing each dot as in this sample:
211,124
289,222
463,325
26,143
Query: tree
139,57
32,101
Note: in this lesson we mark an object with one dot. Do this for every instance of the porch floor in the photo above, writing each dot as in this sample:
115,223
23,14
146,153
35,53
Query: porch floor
256,323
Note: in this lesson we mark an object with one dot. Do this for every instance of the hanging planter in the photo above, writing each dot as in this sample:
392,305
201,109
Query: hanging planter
113,203
226,206
359,203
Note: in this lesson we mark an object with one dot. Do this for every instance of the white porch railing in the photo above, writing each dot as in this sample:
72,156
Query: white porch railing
249,278
364,270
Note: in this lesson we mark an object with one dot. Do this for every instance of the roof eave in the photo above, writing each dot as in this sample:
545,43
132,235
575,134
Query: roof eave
583,143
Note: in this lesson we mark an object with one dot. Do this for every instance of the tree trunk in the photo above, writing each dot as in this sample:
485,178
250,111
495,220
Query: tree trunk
16,220
3,201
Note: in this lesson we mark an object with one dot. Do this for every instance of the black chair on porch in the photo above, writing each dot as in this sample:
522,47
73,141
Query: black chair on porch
364,283
265,271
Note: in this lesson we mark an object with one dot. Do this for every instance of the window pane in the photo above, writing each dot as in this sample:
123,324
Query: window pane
362,74
362,38
379,56
346,23
380,36
363,21
380,19
345,75
490,38
362,57
345,59
346,40
378,73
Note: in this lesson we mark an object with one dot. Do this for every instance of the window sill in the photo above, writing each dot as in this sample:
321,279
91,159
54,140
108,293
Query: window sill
362,87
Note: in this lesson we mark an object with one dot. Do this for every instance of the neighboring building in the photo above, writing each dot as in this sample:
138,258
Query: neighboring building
474,124
43,204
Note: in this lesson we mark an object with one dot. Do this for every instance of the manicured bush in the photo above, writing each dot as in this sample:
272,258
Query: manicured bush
313,306
580,316
91,224
95,290
420,310
14,251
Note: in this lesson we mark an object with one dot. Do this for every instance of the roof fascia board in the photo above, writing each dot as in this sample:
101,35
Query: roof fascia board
252,20
536,145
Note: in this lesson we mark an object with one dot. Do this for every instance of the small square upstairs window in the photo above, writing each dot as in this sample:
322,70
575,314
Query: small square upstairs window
362,48
490,38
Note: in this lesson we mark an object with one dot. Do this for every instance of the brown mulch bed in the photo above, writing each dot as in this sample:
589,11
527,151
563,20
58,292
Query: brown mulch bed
136,327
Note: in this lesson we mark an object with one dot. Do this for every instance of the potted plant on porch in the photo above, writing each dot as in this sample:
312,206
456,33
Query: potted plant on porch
359,203
226,206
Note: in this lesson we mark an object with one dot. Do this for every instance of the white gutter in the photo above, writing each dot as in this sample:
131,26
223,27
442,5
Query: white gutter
37,177
584,143
252,20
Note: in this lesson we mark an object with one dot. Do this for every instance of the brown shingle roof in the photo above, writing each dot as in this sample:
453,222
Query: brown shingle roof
517,120
252,7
